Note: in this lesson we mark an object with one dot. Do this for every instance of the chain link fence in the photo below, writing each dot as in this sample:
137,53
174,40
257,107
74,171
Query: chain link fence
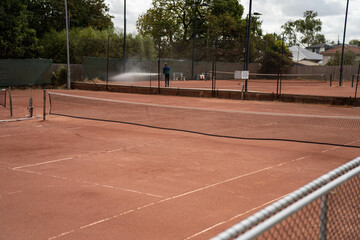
327,208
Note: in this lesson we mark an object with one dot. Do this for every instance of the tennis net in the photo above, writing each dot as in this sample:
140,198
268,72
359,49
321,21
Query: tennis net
3,97
300,128
291,78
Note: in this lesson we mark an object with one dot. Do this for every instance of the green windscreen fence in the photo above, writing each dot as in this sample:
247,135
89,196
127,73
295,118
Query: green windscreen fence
22,72
102,68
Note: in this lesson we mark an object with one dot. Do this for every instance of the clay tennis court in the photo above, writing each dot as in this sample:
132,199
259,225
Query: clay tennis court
73,178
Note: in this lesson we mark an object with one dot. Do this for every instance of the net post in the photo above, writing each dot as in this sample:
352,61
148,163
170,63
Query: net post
10,102
44,106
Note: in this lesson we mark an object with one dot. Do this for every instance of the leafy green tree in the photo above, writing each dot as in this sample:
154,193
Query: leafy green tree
275,56
168,23
227,28
290,32
349,59
354,42
50,14
17,39
93,42
309,29
219,24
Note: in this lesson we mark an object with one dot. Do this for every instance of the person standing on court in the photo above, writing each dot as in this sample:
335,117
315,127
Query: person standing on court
166,71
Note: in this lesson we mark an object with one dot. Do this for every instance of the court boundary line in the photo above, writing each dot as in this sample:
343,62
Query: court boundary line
87,182
236,216
178,196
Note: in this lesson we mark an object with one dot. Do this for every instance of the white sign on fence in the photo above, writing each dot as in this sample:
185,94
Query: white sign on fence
241,75
244,74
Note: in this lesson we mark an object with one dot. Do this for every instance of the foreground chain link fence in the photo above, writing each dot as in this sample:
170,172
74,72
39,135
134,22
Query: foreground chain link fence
327,208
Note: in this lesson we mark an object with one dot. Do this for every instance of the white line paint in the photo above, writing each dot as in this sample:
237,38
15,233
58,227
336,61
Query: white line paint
19,119
234,217
182,195
43,163
87,182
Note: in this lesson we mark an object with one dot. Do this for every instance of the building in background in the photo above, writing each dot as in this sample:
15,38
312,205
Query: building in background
328,54
303,56
319,48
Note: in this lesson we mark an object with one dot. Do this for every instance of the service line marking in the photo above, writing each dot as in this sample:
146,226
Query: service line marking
182,195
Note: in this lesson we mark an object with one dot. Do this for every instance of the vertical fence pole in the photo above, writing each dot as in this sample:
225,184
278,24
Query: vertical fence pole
357,83
352,80
107,63
30,108
331,78
44,106
323,217
10,102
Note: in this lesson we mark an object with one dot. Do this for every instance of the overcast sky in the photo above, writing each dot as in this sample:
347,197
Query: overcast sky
274,14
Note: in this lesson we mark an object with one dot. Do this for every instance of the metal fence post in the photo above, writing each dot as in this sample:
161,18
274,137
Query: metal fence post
323,217
331,78
44,106
10,102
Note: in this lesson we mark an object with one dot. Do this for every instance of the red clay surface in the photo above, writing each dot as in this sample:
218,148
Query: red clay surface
66,178
305,87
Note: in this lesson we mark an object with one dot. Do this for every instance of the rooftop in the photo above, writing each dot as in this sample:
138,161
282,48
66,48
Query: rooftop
338,48
300,54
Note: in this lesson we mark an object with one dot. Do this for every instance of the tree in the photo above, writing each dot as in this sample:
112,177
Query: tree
308,28
349,59
274,55
354,42
226,29
17,39
94,43
50,14
219,24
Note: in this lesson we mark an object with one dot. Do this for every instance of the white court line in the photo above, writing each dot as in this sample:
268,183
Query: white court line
241,214
42,163
19,119
178,196
234,217
87,182
21,169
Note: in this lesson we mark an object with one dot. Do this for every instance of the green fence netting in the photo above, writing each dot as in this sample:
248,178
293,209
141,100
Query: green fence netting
22,72
102,68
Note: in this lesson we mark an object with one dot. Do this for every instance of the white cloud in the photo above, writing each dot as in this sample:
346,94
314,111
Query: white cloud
133,9
275,13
